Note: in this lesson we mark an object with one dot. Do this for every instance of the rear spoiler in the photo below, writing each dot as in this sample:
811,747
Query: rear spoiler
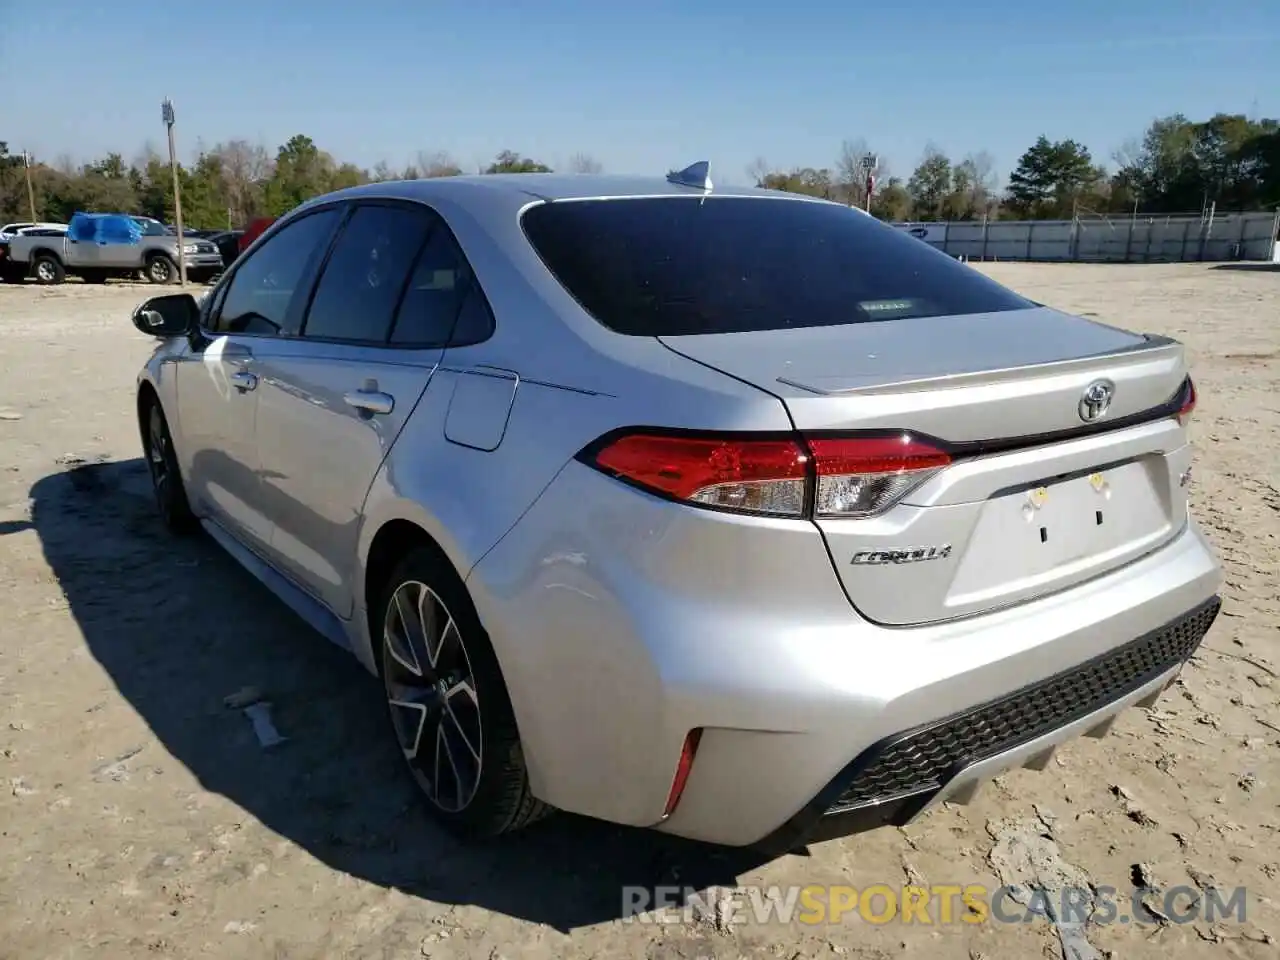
1153,349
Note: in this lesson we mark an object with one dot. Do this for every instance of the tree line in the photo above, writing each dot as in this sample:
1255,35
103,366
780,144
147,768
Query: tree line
1177,166
227,185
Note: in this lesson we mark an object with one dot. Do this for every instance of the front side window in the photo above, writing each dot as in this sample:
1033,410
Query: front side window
151,228
356,297
675,266
262,288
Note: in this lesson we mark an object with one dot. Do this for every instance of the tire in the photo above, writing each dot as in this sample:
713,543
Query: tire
160,269
451,718
166,478
47,269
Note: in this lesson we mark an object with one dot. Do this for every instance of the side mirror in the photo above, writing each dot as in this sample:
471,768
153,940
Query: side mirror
173,315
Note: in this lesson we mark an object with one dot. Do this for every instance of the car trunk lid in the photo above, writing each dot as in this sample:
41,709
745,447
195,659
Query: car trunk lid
1037,497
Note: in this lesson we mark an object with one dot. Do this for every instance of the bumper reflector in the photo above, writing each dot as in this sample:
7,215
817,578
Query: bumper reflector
683,769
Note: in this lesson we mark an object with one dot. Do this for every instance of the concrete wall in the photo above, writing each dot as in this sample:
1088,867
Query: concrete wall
1237,236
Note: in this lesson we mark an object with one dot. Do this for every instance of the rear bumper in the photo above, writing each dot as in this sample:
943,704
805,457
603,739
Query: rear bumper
901,777
622,622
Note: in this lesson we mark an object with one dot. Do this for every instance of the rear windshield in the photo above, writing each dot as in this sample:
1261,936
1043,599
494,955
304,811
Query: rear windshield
673,266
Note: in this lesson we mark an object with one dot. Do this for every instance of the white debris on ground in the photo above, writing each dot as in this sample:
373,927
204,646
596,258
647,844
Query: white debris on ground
1026,858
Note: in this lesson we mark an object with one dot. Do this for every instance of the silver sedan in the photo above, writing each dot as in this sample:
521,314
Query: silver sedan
731,513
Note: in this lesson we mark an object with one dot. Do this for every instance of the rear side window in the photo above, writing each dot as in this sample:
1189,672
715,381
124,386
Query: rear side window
443,303
676,266
362,282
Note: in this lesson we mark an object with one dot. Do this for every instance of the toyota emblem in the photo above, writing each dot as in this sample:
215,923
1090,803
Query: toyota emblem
1095,400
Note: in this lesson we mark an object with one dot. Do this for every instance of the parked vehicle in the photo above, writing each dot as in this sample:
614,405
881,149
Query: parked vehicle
99,246
11,229
731,513
11,272
228,244
196,234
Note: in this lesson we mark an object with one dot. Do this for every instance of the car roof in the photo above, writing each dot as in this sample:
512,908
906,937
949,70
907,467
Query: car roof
516,190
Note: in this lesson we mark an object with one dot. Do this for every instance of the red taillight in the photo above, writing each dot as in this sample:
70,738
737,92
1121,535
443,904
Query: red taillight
1188,402
746,474
840,476
875,455
683,769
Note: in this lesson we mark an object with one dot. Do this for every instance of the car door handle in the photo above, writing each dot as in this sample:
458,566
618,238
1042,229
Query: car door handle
370,401
244,381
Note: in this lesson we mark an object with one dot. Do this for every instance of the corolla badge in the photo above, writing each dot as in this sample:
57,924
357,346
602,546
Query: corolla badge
1096,400
909,555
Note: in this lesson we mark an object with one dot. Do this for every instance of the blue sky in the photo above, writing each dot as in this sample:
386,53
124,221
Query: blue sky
640,86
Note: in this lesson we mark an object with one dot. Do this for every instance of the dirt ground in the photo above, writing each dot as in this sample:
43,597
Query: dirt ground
141,817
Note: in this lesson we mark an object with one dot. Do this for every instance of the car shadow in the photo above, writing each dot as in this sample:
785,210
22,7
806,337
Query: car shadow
1251,267
178,626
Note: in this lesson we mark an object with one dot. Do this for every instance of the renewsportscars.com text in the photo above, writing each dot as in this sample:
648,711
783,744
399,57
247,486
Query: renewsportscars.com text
937,904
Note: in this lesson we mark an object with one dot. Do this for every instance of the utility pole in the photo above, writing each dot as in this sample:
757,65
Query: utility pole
166,112
31,191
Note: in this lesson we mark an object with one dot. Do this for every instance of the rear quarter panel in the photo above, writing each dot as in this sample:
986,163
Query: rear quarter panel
468,498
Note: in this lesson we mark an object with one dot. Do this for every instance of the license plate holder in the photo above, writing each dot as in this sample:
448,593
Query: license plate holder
1033,537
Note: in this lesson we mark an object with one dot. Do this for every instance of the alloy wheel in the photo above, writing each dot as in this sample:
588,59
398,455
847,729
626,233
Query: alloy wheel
44,271
432,697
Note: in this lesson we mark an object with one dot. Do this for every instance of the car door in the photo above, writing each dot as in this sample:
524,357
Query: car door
252,309
118,252
84,244
334,400
117,246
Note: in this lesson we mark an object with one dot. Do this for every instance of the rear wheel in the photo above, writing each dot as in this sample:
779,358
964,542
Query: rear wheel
166,480
48,269
450,713
160,269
